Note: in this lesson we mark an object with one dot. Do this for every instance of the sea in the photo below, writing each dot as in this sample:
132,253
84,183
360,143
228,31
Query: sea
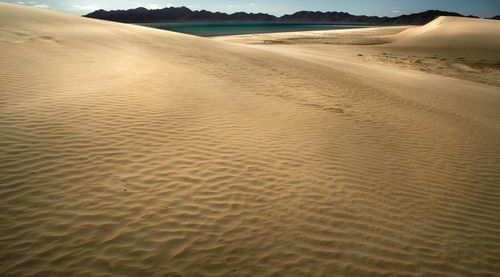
227,29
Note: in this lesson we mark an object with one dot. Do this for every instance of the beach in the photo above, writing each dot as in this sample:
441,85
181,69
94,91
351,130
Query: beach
133,151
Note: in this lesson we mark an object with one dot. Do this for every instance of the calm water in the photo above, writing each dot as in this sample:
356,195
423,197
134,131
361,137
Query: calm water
226,29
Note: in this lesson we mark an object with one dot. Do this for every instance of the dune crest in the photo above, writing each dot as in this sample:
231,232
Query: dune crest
462,48
129,151
471,34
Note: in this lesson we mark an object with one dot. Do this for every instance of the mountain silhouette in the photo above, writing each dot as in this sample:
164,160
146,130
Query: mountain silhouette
183,14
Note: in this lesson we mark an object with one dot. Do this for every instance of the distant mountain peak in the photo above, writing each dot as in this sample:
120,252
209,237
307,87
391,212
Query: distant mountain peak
184,14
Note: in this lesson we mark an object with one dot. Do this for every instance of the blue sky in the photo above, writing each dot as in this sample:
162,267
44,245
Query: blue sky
481,8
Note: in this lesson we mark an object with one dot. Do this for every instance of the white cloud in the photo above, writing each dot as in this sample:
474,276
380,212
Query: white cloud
136,4
41,6
76,7
35,4
154,6
252,4
396,10
32,3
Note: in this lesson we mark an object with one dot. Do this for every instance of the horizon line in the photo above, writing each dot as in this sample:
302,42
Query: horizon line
317,11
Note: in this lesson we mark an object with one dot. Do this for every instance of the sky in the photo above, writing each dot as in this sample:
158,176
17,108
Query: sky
481,8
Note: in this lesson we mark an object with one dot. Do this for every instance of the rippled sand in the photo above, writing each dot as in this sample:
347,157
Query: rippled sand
128,151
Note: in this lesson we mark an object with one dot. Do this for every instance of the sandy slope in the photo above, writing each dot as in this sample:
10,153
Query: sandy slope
128,151
469,36
463,48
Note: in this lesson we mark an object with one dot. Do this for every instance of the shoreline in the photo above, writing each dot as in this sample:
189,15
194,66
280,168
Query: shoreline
215,29
316,32
380,45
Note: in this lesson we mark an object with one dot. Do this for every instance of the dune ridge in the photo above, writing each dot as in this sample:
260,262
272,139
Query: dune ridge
134,151
454,32
466,47
462,48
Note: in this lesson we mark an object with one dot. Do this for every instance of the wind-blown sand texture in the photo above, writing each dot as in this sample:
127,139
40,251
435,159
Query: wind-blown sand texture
129,151
463,48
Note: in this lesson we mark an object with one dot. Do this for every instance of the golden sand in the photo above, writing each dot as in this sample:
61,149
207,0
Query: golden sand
129,151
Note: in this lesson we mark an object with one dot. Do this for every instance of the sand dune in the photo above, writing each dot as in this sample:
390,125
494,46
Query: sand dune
128,151
473,36
463,48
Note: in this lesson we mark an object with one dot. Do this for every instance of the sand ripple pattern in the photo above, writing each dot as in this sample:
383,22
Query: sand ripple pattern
168,155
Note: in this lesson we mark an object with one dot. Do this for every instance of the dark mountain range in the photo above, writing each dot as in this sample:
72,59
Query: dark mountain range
342,17
496,17
183,14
